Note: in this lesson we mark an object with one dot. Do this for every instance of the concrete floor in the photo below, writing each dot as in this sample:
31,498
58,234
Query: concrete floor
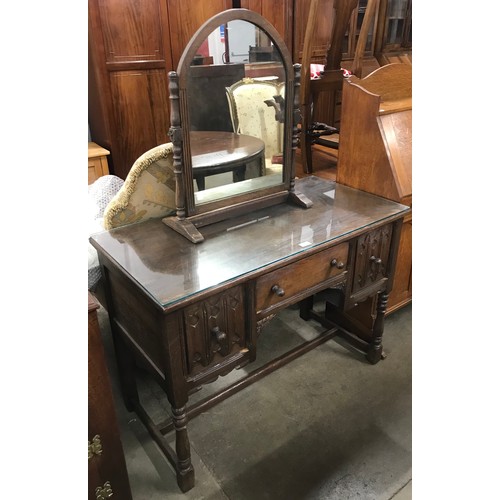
326,426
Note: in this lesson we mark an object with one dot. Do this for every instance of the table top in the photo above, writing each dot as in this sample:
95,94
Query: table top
217,148
169,268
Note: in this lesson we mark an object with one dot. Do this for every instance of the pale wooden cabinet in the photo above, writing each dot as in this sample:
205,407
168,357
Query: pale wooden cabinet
98,163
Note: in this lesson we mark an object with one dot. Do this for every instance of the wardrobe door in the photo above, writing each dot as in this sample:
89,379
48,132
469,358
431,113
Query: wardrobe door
129,57
133,44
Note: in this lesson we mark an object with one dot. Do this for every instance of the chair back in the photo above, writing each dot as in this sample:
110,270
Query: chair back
250,115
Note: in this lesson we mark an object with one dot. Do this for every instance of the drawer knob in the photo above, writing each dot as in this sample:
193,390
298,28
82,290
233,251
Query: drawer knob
337,264
222,339
278,290
377,261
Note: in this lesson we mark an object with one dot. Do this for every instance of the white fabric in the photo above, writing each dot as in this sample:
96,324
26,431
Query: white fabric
100,193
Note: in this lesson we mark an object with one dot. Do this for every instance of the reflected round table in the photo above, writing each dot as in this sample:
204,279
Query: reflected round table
217,152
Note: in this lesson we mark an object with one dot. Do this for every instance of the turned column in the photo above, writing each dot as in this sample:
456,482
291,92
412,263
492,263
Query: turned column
375,351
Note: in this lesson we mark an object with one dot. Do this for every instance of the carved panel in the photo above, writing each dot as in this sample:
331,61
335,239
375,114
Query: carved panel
372,254
214,329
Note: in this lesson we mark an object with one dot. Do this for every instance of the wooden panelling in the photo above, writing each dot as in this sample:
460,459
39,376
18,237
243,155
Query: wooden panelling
185,19
278,13
141,109
132,30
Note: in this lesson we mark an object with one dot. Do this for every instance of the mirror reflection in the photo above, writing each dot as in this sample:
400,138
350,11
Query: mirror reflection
236,103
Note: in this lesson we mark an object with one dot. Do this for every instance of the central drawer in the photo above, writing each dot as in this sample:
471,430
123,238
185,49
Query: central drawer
285,285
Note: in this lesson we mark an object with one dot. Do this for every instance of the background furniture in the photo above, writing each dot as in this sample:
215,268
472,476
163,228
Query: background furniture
312,130
393,40
107,474
98,163
375,151
133,44
190,313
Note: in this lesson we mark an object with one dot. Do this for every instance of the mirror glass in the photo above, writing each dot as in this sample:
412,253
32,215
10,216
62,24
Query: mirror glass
236,103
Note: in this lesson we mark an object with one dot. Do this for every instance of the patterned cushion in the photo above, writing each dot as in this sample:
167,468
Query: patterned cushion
148,191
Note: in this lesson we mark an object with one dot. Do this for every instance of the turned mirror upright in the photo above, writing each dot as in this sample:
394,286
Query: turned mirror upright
234,116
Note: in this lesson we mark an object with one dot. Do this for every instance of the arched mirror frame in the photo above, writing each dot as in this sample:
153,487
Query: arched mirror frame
190,216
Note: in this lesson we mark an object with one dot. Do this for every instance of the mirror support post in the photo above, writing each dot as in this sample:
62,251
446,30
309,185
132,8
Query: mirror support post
178,222
294,197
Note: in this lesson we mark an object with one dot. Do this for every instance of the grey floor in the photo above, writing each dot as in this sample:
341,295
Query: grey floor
326,426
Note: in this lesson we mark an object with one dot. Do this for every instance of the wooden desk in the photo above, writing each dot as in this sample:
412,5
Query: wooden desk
193,312
216,152
98,162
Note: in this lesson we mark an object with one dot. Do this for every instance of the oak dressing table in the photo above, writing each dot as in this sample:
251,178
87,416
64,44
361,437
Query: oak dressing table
191,313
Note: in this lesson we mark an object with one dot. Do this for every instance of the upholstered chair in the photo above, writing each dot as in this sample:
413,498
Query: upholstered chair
250,115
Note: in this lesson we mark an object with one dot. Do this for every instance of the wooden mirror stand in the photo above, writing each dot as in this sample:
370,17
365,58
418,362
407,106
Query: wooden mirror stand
240,196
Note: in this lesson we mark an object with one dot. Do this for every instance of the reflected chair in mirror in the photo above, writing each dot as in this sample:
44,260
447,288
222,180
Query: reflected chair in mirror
251,98
331,79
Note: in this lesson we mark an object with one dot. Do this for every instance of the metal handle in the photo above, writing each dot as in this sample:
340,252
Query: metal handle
103,492
278,290
95,447
376,260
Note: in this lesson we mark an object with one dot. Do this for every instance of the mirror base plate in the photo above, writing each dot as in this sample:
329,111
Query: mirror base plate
185,228
299,199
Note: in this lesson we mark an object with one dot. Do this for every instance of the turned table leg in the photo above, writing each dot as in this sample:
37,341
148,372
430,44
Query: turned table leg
185,471
374,353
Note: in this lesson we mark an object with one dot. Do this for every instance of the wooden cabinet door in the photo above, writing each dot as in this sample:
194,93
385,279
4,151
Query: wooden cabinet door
129,57
133,44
